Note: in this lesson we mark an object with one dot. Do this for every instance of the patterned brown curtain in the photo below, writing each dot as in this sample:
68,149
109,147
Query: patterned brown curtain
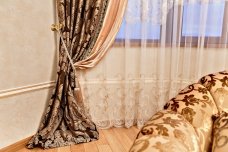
65,121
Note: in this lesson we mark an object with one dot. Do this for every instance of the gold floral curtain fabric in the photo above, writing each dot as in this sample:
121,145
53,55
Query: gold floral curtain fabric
111,24
65,121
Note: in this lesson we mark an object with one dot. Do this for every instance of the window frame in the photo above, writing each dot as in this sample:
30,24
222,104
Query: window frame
209,42
182,41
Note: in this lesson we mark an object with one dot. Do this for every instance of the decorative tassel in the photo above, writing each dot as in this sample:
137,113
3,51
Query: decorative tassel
78,92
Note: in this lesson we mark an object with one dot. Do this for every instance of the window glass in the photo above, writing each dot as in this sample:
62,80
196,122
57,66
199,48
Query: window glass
141,24
213,23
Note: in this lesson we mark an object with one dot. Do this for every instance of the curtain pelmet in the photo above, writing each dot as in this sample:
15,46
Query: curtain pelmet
65,121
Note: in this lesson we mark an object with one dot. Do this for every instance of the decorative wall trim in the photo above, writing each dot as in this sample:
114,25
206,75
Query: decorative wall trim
24,89
44,85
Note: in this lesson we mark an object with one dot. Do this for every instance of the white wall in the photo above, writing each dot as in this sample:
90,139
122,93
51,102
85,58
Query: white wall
27,66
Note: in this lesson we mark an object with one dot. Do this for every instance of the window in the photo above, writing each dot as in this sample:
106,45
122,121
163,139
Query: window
139,23
153,31
196,14
192,17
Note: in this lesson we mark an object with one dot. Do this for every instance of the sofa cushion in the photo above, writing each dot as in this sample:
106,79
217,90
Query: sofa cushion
171,124
220,133
217,84
196,104
158,143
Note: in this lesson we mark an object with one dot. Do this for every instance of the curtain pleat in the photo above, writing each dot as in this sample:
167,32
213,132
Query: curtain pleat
112,21
66,121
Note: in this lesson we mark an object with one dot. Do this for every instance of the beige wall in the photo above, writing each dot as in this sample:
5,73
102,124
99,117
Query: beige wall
27,65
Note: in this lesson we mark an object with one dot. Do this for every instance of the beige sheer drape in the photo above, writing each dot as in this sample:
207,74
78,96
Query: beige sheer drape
137,77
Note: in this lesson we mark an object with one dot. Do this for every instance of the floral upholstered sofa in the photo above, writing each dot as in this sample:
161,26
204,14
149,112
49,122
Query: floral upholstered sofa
196,120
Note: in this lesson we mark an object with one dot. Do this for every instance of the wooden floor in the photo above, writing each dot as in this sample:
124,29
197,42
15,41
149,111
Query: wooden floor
111,140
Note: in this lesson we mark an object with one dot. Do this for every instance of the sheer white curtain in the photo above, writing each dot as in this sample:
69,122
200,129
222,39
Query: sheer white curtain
163,46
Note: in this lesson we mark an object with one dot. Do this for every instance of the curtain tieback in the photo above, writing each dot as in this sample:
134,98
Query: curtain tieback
77,89
58,27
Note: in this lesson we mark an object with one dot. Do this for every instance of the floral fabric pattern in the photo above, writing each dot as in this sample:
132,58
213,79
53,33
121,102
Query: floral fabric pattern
197,106
158,143
217,84
220,133
203,105
65,121
170,124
